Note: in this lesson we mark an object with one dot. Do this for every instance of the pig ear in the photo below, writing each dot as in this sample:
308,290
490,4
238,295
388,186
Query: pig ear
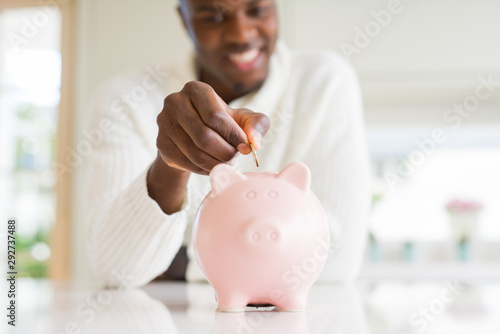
222,176
297,174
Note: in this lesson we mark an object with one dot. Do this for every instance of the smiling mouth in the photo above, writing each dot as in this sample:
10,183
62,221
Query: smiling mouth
244,57
245,60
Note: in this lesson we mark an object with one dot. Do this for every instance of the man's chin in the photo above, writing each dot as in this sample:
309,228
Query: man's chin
243,88
249,82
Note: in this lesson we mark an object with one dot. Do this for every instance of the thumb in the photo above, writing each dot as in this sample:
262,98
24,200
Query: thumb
254,124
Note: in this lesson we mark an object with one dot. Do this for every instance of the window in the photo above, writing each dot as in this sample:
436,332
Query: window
31,63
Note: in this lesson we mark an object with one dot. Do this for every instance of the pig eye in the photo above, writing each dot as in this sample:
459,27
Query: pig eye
272,194
251,194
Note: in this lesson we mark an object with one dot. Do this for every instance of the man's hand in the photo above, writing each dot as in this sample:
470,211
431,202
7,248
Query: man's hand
198,130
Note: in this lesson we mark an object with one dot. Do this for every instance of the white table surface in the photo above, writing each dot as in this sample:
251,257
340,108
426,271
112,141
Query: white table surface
383,306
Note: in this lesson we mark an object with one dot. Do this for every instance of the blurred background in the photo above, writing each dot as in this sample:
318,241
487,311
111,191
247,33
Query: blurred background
430,75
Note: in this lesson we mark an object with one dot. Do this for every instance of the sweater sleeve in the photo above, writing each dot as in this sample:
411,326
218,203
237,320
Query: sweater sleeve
130,239
340,167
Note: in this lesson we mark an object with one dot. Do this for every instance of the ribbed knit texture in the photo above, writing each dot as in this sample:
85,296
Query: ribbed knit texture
314,103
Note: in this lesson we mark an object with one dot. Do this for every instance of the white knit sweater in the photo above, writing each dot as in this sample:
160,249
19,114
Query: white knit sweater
314,103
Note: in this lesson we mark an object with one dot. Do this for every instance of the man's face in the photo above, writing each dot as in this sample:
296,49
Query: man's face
234,40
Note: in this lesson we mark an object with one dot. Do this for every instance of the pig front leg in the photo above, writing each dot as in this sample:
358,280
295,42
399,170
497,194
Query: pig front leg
230,301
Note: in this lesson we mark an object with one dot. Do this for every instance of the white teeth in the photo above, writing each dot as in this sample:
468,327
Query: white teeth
245,57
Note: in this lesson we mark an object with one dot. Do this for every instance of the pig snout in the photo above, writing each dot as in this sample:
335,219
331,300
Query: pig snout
263,233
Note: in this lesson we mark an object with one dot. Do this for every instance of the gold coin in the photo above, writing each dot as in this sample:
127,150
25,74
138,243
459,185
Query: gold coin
254,155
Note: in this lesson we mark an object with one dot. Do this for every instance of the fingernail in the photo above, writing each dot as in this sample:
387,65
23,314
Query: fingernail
257,139
243,149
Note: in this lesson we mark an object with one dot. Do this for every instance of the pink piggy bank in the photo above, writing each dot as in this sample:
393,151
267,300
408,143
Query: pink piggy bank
261,238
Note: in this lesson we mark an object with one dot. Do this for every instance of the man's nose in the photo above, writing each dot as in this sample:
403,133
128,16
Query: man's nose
241,29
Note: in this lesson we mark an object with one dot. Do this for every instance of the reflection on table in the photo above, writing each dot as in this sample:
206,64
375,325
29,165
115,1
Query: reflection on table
445,306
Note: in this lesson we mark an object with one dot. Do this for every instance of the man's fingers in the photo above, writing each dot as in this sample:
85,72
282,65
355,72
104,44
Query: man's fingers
177,159
214,113
186,146
205,138
255,125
